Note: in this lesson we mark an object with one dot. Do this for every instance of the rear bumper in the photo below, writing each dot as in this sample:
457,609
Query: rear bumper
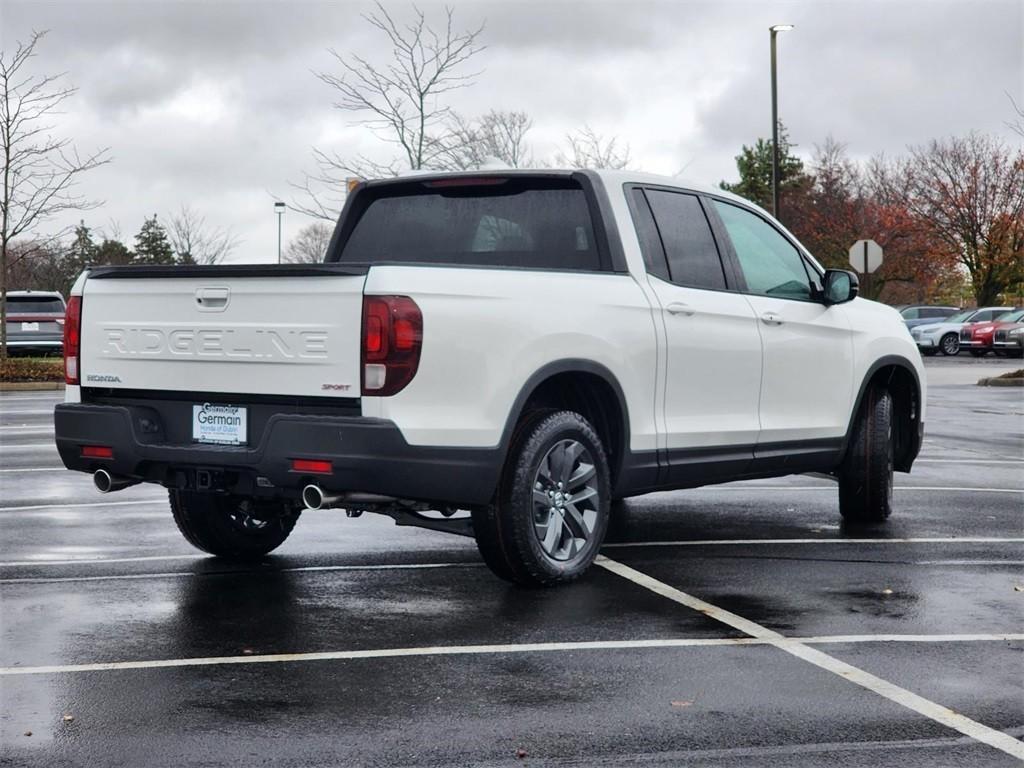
367,455
16,344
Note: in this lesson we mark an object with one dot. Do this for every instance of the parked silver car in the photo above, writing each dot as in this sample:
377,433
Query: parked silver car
945,336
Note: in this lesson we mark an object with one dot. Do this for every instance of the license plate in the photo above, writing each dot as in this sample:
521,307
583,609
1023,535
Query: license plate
30,326
224,424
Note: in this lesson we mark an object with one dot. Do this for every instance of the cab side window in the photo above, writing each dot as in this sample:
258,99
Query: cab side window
690,248
771,265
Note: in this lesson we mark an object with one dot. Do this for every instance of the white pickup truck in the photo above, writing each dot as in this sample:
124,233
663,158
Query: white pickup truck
500,355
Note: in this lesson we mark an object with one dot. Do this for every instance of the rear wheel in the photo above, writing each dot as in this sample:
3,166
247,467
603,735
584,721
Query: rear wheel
979,352
235,527
865,477
551,512
950,344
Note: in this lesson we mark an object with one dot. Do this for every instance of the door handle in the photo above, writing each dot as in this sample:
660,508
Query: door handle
678,308
772,318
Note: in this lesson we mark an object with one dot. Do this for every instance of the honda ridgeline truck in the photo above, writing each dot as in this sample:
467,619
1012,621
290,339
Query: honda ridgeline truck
501,355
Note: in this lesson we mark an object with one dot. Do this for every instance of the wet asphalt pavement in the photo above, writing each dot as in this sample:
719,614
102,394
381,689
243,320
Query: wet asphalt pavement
360,643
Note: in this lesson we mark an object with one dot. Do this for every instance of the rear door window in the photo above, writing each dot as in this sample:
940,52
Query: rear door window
532,224
690,247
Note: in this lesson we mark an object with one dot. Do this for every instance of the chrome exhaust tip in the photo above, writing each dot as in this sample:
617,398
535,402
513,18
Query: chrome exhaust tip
313,497
106,482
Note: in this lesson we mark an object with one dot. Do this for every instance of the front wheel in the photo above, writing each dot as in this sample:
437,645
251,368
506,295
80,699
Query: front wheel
865,477
234,527
551,511
950,344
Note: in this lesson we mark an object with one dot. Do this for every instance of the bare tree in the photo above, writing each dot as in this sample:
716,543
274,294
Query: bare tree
403,102
195,242
589,149
310,245
498,136
40,171
968,193
1016,125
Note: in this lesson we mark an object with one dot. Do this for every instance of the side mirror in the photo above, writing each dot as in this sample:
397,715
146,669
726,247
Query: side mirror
840,286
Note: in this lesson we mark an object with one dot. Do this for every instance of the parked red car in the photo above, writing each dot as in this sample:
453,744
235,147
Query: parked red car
978,337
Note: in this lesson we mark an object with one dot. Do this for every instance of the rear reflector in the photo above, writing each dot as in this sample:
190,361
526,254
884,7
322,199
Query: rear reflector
315,466
97,452
72,330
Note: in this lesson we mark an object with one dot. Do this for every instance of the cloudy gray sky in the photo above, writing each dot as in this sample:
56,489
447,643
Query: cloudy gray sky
215,103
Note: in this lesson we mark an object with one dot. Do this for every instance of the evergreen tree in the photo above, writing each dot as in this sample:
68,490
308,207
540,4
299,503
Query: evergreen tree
81,253
113,252
152,245
755,168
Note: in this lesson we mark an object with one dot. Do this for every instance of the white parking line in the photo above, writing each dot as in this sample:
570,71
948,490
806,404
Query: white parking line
101,561
82,506
467,650
969,461
800,649
832,488
252,572
687,543
754,542
33,469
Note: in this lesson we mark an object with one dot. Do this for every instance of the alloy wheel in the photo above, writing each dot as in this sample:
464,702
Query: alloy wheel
566,500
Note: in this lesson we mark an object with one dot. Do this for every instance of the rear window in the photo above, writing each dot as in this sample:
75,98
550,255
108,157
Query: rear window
533,225
34,305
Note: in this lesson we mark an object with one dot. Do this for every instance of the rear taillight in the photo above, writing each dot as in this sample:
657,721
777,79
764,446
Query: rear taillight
392,339
72,333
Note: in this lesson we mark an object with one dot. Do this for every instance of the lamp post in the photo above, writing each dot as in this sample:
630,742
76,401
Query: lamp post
775,121
279,210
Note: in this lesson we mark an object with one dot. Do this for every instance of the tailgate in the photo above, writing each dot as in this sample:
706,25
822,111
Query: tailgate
264,331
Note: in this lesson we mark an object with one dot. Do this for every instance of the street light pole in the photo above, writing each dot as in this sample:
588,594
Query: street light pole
775,119
279,210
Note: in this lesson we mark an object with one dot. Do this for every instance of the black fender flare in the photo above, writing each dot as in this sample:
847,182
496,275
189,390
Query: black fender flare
566,365
917,433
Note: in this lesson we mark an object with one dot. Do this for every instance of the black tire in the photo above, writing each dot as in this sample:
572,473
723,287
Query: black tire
507,531
233,527
929,352
979,352
865,477
950,344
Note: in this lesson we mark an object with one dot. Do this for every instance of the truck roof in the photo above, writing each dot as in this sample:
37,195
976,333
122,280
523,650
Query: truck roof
611,178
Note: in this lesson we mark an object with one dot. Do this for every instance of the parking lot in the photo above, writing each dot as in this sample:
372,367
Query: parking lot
732,625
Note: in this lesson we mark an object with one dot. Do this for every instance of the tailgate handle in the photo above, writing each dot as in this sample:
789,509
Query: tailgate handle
212,299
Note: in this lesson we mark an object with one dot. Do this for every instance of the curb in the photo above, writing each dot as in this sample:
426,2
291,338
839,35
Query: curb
31,386
997,382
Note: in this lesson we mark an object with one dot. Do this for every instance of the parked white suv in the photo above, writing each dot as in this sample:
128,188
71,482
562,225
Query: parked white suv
498,355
